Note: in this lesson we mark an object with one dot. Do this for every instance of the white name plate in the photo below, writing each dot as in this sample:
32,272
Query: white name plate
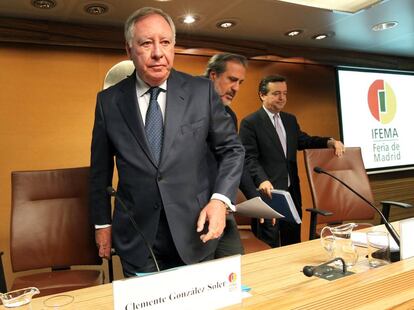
209,285
406,236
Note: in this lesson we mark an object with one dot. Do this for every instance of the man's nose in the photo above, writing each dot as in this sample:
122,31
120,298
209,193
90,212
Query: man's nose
157,51
235,87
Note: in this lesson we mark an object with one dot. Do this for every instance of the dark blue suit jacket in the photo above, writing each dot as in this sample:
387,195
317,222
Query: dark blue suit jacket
195,123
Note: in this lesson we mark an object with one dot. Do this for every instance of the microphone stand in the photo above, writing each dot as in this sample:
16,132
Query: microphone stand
309,271
390,229
112,192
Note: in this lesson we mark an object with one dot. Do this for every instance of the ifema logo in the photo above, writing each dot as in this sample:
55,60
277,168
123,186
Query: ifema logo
232,277
382,102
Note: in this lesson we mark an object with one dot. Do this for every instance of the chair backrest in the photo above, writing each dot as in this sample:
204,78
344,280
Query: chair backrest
50,224
118,72
330,195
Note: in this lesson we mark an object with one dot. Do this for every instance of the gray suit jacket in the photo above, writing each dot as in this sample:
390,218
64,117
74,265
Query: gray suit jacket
195,122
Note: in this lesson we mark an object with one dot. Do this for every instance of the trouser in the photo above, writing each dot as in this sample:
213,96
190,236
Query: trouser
283,233
164,250
229,243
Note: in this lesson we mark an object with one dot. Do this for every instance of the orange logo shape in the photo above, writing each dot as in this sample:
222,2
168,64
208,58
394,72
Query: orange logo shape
382,102
232,277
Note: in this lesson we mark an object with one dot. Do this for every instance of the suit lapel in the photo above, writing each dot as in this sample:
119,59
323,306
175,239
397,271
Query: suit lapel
176,95
128,105
270,130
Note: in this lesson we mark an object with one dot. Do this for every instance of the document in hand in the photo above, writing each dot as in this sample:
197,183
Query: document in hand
257,208
282,202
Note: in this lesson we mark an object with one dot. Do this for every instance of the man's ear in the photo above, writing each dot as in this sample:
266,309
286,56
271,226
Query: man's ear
261,96
128,50
213,75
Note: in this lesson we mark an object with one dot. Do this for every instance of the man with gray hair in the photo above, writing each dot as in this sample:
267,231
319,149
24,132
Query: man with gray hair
159,125
228,71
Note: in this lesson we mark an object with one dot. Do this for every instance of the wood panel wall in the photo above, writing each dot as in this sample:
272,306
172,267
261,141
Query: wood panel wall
47,102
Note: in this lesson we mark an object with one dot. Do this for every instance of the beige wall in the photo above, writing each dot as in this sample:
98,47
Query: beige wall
47,102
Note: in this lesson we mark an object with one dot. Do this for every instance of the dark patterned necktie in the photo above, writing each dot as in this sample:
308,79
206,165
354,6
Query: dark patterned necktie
154,124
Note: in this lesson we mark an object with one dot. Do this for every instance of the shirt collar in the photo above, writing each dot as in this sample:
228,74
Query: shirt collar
142,87
271,114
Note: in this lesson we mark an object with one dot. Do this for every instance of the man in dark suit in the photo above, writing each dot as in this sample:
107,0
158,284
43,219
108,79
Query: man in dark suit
159,125
228,71
271,139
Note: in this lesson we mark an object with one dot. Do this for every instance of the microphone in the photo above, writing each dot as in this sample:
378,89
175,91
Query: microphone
309,271
390,229
112,192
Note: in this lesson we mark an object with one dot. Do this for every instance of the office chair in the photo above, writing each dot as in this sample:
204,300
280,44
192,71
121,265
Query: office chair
118,72
50,228
334,203
249,241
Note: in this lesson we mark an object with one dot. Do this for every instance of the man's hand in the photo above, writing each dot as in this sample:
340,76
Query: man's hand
103,241
265,187
215,213
337,146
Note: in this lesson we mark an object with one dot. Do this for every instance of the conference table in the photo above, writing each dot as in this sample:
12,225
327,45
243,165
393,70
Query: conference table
277,282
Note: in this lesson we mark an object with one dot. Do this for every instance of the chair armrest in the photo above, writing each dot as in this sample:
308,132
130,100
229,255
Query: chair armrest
397,204
3,286
313,220
386,204
319,212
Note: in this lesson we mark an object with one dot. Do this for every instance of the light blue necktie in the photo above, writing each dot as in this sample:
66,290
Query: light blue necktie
154,124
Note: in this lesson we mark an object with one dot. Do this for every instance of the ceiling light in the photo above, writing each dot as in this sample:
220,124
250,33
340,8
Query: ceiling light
226,24
337,5
44,4
384,26
189,19
322,36
96,9
293,33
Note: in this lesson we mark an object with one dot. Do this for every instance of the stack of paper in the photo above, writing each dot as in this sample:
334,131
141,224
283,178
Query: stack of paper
360,239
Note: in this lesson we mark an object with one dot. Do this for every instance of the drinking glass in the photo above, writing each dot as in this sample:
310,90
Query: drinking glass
378,248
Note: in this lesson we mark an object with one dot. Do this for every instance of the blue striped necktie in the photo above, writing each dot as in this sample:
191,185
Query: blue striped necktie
154,124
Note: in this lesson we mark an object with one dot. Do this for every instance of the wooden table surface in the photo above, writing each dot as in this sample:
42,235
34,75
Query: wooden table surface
277,282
